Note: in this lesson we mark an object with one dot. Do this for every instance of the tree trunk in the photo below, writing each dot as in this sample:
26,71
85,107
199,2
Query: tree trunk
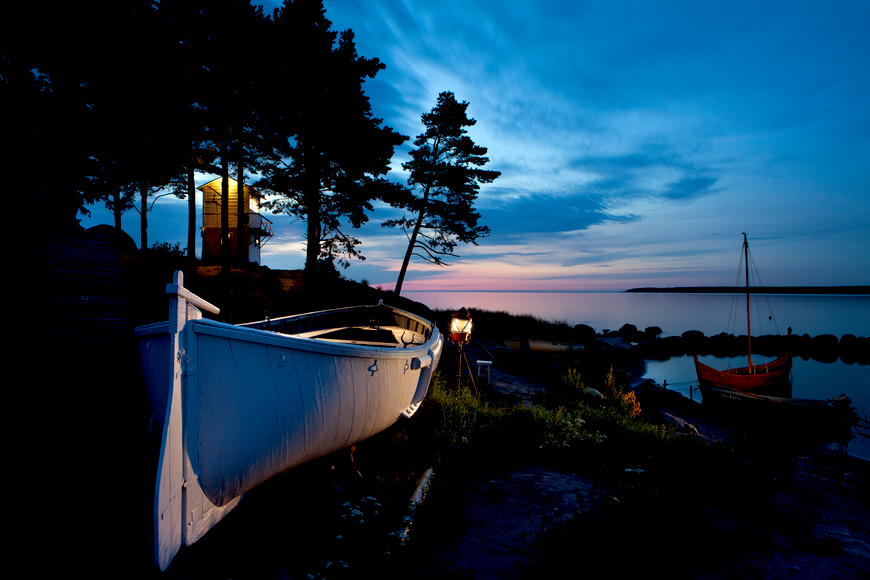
116,208
226,257
312,208
191,215
411,243
143,222
241,210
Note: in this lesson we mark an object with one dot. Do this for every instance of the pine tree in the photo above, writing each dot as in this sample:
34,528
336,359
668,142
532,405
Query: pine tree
443,185
332,153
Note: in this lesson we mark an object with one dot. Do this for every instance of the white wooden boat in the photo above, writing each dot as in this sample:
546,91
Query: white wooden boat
242,403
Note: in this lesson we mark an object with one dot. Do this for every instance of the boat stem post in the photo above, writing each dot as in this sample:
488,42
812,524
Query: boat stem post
170,470
169,530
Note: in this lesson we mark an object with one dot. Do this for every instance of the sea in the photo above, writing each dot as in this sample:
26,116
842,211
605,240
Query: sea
675,313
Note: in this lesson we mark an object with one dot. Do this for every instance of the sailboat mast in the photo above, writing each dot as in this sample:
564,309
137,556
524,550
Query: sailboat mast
748,330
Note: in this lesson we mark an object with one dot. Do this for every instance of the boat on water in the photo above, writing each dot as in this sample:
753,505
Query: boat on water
808,416
773,378
239,404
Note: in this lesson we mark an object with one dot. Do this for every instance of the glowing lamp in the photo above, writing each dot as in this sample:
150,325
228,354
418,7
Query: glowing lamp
460,326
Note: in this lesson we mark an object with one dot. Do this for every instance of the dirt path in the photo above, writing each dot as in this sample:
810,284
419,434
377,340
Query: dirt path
488,528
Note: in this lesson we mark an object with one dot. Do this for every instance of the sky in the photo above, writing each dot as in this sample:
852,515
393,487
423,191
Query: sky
636,141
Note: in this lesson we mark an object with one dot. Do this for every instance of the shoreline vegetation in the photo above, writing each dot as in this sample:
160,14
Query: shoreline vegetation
650,481
847,290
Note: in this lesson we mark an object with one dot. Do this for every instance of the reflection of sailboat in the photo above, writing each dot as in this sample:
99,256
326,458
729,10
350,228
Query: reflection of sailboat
770,378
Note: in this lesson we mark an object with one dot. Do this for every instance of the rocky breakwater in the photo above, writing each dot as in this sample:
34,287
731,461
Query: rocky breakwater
648,345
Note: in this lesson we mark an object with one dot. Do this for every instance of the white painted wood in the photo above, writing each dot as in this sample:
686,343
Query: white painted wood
155,352
182,512
428,363
178,290
170,478
167,495
243,404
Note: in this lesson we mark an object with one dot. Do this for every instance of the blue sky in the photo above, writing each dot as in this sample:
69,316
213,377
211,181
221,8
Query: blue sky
636,140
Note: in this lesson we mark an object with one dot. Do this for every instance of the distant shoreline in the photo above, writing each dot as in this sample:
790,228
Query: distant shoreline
831,290
860,290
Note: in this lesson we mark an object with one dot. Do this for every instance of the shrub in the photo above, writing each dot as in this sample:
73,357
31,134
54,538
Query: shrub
565,430
462,412
618,393
169,249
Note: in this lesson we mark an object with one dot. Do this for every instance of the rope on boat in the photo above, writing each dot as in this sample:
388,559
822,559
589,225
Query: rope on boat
766,298
685,392
693,386
753,272
684,383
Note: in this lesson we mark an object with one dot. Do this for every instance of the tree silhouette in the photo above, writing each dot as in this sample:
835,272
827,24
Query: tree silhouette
63,74
444,182
328,161
145,93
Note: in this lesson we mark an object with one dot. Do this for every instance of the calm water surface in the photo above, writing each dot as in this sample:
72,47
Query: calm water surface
674,313
711,314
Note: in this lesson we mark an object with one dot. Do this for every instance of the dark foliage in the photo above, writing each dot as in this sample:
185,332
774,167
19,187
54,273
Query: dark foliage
121,100
320,178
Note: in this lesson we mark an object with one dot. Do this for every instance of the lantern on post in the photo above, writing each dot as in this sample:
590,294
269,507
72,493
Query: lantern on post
460,333
460,327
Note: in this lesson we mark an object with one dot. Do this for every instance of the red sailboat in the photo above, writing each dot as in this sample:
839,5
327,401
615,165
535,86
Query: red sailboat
773,378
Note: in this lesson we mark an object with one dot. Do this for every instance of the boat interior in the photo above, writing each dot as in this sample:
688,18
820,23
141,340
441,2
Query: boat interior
380,326
368,335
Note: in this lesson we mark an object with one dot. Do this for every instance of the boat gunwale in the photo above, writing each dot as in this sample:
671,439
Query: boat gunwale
310,344
324,346
337,311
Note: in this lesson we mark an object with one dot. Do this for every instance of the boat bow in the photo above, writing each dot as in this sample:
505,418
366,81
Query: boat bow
242,403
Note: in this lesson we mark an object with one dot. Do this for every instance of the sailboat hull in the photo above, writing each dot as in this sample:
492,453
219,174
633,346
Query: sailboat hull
773,378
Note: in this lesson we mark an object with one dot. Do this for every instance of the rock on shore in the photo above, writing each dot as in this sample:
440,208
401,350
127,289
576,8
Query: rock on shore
648,345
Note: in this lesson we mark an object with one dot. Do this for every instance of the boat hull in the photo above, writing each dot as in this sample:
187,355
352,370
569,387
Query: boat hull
241,404
544,346
774,378
805,417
